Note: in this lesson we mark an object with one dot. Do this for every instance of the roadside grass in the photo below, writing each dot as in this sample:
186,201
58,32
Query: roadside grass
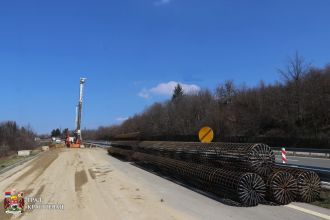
14,158
324,200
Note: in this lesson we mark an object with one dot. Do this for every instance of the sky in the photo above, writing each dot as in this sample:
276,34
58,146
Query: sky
133,52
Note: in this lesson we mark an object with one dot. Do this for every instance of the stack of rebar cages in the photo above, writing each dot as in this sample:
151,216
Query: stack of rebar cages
243,172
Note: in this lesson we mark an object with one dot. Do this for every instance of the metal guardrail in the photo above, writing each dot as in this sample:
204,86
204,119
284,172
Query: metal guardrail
99,143
324,173
309,150
325,185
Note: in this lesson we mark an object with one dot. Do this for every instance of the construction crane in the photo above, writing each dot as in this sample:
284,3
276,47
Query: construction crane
75,142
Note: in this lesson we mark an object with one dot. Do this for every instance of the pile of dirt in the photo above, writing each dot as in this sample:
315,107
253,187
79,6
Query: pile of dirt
56,145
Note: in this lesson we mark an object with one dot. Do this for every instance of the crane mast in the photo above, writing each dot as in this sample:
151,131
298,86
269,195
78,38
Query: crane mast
78,125
75,142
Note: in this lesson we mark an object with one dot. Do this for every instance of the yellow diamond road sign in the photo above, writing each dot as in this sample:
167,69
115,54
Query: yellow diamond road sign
205,135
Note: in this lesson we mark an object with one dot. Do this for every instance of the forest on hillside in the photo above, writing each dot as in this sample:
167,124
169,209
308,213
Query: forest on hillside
298,106
14,138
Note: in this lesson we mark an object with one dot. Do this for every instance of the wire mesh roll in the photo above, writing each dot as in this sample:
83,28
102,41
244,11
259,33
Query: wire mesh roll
128,145
281,187
122,153
308,183
247,188
257,158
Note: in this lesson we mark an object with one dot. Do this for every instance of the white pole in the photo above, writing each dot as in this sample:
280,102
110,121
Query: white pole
76,116
82,81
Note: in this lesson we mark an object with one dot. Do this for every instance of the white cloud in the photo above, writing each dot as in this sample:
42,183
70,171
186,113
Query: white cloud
166,89
144,94
162,2
138,82
121,119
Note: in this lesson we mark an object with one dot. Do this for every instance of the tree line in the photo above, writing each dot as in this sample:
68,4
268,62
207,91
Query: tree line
14,137
58,133
298,106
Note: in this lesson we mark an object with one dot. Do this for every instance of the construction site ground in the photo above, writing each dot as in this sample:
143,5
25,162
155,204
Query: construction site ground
93,185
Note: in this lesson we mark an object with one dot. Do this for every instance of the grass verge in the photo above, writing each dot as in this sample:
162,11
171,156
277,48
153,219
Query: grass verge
14,158
324,200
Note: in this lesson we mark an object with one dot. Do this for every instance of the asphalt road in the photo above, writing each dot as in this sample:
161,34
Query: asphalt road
93,185
306,161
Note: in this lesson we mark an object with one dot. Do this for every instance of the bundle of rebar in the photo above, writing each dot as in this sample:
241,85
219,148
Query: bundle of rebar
245,187
258,158
308,183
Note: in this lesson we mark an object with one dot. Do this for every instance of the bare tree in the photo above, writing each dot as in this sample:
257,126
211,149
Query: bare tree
295,69
13,137
225,92
293,75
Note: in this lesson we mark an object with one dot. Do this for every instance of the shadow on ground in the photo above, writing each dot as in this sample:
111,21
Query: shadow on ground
181,182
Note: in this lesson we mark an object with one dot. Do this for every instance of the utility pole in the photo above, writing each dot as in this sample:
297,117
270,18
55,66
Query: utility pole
82,81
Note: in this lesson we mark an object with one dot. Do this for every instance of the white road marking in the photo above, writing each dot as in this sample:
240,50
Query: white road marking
317,214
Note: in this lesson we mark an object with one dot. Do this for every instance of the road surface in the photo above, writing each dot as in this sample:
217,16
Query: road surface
306,161
92,185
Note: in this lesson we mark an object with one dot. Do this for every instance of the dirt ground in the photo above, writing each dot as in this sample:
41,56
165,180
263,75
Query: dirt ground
88,187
